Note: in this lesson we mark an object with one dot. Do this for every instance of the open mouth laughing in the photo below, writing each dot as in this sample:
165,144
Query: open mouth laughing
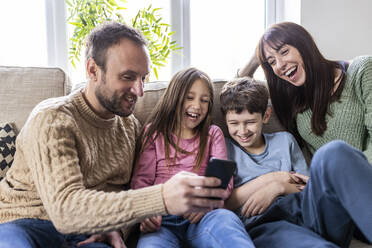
291,72
245,138
192,115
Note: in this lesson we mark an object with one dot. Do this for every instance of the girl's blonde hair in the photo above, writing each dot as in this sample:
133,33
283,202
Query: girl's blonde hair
167,115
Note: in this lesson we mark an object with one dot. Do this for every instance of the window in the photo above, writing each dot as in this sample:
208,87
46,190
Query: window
217,36
23,33
132,7
224,34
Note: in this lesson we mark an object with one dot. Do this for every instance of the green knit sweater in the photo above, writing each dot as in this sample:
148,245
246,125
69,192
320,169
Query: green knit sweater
352,114
70,168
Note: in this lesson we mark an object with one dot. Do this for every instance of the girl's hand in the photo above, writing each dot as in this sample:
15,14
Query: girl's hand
112,238
194,217
150,224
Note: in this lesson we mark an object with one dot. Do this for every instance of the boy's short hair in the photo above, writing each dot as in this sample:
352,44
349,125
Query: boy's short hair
244,94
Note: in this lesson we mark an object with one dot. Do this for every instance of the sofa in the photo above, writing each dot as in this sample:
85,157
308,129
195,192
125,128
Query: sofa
21,88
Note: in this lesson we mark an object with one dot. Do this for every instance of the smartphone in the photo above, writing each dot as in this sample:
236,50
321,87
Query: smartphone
222,169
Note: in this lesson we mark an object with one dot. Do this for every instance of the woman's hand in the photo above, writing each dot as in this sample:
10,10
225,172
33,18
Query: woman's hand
112,238
293,178
194,217
151,224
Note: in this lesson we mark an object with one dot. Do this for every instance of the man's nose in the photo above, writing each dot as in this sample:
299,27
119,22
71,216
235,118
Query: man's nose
137,88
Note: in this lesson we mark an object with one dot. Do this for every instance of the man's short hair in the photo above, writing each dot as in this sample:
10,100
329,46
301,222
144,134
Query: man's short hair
241,94
106,35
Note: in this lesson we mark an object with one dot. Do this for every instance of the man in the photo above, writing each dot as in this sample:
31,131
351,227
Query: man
75,154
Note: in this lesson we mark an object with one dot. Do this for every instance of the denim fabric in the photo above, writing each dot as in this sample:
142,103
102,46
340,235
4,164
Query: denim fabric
218,228
337,197
35,233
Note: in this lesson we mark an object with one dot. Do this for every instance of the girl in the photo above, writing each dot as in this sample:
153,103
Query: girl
319,101
178,136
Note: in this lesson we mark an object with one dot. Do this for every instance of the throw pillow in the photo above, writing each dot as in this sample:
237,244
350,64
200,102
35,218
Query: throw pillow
7,148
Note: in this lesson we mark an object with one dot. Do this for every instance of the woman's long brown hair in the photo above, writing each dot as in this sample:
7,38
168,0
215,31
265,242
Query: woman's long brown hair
167,115
317,91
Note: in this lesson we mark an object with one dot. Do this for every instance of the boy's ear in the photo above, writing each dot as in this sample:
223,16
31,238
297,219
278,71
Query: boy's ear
267,115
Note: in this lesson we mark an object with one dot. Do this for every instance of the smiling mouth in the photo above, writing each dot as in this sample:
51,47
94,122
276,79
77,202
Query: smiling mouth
193,116
291,72
130,99
245,138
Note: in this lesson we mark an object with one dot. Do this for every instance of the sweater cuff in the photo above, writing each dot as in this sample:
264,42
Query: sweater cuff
148,202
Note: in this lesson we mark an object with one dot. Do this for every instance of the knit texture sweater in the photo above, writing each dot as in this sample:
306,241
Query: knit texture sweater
351,119
71,167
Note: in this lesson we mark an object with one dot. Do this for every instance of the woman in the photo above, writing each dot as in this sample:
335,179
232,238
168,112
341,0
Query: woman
319,101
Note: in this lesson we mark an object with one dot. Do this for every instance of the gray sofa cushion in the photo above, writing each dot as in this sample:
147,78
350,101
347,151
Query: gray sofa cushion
21,88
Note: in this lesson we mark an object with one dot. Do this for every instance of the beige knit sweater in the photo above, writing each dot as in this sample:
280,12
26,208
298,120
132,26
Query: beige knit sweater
70,167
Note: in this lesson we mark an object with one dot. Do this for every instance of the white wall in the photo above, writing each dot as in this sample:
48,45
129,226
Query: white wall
342,29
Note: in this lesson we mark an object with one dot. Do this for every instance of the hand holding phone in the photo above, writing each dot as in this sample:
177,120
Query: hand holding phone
222,169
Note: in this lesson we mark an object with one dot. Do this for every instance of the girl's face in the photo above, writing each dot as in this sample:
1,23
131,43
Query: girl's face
286,63
195,107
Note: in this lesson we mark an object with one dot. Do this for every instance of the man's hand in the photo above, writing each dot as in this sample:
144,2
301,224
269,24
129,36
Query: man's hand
194,217
151,224
112,238
187,192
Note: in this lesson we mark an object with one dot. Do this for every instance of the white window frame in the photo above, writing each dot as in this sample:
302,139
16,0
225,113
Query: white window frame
57,50
180,22
57,44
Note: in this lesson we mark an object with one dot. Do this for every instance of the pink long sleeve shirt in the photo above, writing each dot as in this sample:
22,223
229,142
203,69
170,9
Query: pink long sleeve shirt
152,168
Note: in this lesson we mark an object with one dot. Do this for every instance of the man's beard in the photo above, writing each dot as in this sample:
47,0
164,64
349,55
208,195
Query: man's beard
113,104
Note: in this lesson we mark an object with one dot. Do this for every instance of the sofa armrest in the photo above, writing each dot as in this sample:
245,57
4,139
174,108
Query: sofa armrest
21,88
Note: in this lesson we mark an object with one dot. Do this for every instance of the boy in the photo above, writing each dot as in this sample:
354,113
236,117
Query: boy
268,165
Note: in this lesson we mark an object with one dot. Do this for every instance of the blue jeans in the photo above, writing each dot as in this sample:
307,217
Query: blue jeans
336,201
218,228
35,233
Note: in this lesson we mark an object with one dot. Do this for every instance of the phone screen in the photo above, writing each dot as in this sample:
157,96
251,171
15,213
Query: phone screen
222,169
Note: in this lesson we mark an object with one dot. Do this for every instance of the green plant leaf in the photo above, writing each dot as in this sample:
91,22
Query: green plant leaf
84,15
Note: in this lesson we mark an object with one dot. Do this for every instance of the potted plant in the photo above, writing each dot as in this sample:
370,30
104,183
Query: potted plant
85,15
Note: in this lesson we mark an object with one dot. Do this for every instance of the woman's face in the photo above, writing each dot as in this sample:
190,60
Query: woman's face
286,63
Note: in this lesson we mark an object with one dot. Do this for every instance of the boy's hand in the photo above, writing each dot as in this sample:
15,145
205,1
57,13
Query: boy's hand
150,224
194,217
281,176
259,201
299,178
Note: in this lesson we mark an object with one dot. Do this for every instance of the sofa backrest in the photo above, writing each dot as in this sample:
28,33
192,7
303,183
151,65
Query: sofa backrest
154,90
21,88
